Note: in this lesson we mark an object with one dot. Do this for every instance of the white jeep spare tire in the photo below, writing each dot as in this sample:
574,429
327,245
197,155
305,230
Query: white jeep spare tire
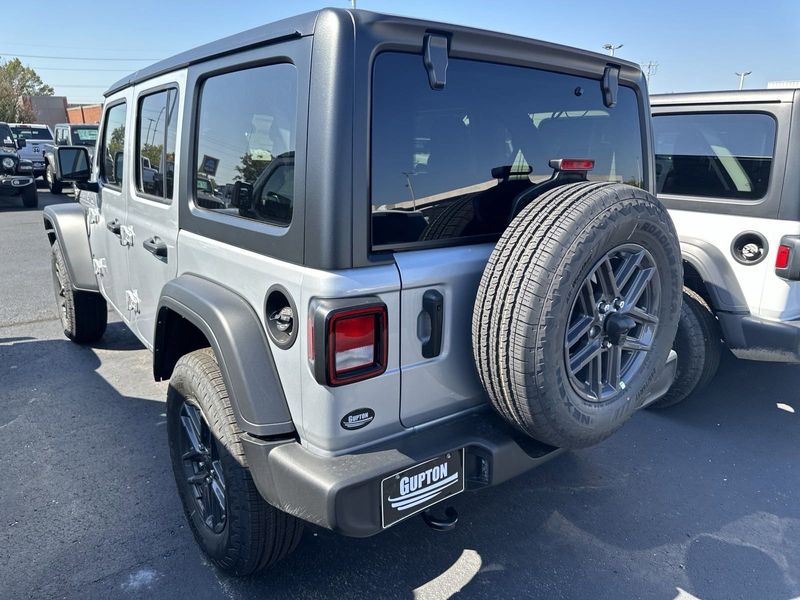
577,310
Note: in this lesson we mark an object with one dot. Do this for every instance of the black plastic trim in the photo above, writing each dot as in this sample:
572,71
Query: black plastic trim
343,493
741,238
717,275
761,339
67,223
240,345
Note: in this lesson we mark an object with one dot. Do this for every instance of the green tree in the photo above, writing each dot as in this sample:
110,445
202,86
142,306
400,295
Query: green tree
250,168
16,81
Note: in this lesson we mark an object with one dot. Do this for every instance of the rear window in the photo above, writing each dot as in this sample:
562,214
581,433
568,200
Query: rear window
448,164
84,136
717,155
35,134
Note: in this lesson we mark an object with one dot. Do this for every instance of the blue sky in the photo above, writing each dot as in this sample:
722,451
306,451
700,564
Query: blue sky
698,45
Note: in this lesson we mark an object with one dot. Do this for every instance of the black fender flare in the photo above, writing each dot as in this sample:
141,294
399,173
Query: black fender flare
240,345
67,224
712,266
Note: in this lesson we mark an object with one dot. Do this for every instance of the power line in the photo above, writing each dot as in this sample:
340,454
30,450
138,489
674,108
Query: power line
81,69
79,57
78,85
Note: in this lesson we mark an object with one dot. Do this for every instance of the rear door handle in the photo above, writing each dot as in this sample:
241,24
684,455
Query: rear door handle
114,226
156,246
433,306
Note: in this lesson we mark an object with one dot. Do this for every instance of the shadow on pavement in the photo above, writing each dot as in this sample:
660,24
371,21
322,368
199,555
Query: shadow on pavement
701,497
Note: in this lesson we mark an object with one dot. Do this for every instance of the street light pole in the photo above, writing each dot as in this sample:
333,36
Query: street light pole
612,48
741,76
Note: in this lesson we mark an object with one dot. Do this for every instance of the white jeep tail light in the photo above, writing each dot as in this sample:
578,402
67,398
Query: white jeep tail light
347,340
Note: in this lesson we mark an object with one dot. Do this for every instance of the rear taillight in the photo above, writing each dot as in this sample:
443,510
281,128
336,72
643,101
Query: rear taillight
347,343
782,257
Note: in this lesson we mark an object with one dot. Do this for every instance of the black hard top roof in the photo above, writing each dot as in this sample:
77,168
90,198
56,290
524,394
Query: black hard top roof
299,26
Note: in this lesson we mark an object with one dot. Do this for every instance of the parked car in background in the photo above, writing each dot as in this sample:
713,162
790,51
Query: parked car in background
67,134
726,169
336,339
37,136
16,177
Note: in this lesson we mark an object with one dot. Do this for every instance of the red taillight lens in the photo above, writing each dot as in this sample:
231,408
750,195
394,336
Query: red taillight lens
782,257
356,344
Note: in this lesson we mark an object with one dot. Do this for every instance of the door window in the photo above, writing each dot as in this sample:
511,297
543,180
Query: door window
113,148
157,126
246,141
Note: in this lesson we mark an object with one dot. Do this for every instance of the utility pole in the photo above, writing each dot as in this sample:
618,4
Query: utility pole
650,69
612,48
741,77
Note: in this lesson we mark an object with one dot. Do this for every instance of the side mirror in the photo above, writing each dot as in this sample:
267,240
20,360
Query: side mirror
21,143
72,163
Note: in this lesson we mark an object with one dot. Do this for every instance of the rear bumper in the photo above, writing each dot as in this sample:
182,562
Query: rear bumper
343,493
754,338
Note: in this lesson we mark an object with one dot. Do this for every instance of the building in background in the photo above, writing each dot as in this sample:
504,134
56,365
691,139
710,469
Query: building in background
84,113
46,109
786,83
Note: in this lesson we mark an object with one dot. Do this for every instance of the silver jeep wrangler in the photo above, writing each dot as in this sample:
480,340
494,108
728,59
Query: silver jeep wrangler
345,236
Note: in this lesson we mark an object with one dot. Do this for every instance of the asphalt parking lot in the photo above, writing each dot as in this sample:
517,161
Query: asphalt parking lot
699,501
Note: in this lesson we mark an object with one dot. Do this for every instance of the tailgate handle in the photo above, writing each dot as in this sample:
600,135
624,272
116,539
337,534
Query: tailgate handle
433,306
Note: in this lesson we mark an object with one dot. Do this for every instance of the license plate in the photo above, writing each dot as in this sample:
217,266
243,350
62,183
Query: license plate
413,490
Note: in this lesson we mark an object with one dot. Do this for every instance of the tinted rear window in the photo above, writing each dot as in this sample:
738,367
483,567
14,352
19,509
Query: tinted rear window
722,155
448,164
32,133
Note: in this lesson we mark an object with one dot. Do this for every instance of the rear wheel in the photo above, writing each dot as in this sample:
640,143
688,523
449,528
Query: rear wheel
30,196
83,315
236,528
699,348
53,184
576,311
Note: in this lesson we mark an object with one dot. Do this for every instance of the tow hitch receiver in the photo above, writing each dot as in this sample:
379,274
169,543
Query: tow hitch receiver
438,522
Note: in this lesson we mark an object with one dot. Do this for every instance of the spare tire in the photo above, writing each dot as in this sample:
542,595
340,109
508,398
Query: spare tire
577,310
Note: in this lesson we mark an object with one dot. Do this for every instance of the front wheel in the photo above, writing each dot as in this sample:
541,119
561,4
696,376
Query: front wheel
30,196
83,315
235,527
53,184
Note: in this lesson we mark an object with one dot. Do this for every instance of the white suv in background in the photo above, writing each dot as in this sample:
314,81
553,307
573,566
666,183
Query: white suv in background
724,169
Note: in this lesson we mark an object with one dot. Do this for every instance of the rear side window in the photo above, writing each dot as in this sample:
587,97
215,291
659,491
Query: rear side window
246,142
716,155
157,127
447,165
113,148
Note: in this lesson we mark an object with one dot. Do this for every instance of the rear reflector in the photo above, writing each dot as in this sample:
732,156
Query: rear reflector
572,164
356,344
782,258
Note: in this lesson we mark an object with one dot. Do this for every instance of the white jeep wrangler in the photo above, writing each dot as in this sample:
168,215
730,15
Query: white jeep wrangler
345,236
725,169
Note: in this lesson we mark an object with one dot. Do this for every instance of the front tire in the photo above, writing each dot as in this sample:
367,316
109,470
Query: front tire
699,348
53,184
30,196
83,315
233,525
